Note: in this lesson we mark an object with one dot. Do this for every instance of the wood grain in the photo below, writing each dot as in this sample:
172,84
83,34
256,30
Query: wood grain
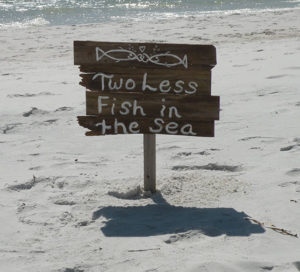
180,81
149,162
200,128
197,55
186,107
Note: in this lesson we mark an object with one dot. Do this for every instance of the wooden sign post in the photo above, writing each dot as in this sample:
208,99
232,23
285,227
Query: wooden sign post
149,162
147,88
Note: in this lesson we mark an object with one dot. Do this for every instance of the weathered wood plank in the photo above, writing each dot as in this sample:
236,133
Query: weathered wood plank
108,125
144,55
147,88
176,107
193,82
150,162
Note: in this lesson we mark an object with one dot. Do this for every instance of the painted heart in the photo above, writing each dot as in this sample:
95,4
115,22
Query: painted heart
142,48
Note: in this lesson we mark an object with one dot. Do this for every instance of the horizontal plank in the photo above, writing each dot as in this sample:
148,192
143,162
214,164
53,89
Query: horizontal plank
193,81
107,125
144,55
179,107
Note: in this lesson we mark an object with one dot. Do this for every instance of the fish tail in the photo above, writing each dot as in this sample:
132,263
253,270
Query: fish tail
99,53
185,61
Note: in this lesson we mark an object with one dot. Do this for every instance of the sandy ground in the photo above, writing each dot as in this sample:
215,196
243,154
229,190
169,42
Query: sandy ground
71,203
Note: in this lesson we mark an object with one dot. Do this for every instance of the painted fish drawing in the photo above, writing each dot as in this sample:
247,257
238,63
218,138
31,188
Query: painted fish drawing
163,59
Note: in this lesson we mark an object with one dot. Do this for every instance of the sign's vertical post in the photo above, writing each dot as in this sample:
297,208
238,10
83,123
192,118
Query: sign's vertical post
150,163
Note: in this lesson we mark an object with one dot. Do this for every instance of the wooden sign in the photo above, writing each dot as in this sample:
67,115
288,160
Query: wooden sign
147,88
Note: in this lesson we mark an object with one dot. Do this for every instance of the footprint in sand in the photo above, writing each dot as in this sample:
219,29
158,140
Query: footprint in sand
50,122
250,138
262,139
34,111
182,154
276,76
75,269
24,186
167,147
289,183
294,68
294,172
240,65
264,92
183,236
84,223
210,167
202,153
29,94
246,266
64,109
34,154
296,183
31,183
293,146
64,202
8,128
290,147
35,168
234,267
23,207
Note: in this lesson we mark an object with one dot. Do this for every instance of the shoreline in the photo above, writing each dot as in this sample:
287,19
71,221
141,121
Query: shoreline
237,26
40,21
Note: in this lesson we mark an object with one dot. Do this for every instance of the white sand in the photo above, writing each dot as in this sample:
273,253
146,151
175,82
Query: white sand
82,211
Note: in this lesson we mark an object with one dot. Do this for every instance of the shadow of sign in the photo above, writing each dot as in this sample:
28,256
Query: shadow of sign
150,220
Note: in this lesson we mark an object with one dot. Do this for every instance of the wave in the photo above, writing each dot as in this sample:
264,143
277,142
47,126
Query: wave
26,23
25,13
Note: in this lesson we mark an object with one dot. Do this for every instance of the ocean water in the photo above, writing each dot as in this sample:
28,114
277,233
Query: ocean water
20,13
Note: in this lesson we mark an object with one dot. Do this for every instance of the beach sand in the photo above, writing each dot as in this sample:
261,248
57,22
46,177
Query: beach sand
71,203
